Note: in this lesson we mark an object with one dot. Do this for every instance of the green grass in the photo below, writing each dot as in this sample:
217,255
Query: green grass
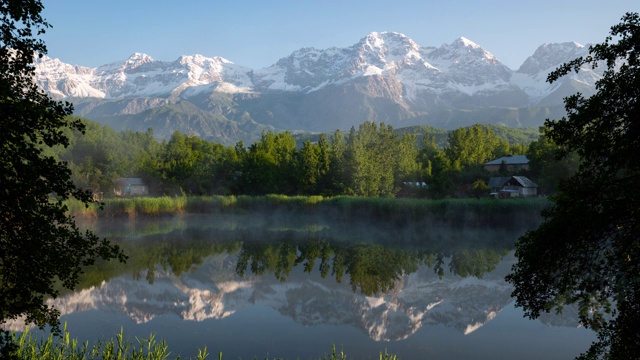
130,207
150,206
30,347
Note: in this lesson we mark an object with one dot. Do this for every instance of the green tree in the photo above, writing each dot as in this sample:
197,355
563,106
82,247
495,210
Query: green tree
270,166
145,153
474,145
548,165
366,179
98,155
587,250
337,174
39,243
467,150
480,188
377,160
440,182
310,171
180,159
194,165
515,149
324,182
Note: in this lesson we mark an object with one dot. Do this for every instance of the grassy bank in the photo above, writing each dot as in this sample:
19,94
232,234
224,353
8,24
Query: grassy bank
26,346
484,211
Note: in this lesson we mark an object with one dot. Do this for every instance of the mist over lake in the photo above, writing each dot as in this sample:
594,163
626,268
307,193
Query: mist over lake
292,285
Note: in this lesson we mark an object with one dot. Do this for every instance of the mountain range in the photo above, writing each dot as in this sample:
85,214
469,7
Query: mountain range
385,77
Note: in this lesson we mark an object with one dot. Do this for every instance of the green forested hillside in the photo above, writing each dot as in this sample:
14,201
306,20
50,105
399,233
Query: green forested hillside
372,160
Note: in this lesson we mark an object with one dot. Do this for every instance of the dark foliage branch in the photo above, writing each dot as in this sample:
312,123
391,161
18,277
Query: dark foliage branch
586,252
39,243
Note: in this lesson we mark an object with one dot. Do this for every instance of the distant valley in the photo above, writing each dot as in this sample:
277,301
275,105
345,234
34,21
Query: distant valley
385,77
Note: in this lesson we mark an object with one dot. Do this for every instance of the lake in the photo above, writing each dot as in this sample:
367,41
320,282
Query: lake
293,286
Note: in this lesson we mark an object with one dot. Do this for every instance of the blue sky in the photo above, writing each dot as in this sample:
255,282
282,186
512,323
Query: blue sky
256,33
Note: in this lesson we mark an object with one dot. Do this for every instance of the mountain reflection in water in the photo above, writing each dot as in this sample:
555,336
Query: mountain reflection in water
248,288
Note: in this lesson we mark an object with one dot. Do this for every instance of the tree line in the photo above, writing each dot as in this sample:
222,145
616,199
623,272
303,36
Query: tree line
373,160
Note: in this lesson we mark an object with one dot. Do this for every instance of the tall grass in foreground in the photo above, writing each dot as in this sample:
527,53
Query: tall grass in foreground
65,348
29,347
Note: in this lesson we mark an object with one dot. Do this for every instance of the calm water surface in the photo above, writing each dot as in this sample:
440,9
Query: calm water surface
292,287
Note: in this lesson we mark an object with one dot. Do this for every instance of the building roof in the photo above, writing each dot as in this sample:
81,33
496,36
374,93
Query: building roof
499,181
524,181
510,160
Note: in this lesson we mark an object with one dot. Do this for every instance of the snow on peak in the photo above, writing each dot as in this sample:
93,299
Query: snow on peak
462,50
386,39
550,55
205,74
385,50
472,47
467,43
201,59
374,39
137,59
532,74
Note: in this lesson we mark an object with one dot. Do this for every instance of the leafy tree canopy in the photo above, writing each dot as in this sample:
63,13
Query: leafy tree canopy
472,145
39,243
587,250
545,165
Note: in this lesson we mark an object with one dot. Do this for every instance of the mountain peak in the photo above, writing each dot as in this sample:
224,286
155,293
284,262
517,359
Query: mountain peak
569,45
137,59
374,35
378,39
466,42
463,48
550,55
201,59
139,56
387,46
386,35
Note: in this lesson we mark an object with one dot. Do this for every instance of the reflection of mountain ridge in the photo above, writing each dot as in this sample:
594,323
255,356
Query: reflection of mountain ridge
214,291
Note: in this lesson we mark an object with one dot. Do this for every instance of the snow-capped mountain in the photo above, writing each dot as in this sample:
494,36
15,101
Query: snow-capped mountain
532,74
385,77
142,76
309,69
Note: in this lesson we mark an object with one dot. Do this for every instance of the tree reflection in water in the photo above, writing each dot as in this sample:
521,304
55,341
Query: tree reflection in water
371,268
373,258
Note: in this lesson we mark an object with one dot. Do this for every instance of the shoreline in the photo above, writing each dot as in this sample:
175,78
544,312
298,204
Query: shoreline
398,211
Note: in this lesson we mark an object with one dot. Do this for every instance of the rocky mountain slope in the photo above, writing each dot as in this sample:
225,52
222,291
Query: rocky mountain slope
385,77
